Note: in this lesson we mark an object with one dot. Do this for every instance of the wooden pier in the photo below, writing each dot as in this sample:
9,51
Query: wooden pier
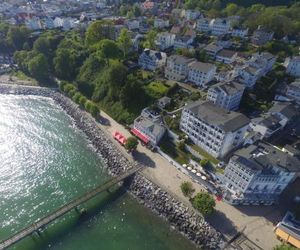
41,223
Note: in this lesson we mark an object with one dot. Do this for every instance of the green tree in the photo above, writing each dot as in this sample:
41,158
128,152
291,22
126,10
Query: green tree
150,39
204,163
108,49
284,247
17,36
124,41
136,10
41,45
231,9
94,110
38,67
181,145
204,203
131,144
187,189
64,64
98,30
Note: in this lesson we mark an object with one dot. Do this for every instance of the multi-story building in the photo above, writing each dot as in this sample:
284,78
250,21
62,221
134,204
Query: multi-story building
149,127
292,65
258,173
177,67
226,95
293,91
263,61
203,25
288,230
133,24
212,50
219,26
192,14
216,130
226,56
239,32
201,73
161,23
165,40
152,60
183,42
261,36
248,75
34,23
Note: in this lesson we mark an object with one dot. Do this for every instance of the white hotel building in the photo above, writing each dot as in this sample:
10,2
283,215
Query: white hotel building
258,174
212,128
201,73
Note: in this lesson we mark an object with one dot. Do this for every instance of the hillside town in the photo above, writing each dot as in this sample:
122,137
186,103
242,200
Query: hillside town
224,98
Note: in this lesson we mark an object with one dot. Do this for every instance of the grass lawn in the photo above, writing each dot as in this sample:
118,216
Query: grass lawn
170,149
156,89
204,153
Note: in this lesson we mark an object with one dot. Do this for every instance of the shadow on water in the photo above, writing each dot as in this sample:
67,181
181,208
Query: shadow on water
61,228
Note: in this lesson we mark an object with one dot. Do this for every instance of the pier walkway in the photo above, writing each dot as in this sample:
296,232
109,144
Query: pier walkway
41,223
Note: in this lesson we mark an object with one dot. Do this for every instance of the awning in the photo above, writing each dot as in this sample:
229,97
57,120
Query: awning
143,137
119,137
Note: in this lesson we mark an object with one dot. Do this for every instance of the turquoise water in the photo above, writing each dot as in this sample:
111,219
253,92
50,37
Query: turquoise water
44,163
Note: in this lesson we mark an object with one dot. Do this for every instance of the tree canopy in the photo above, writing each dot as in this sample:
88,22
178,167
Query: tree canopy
131,143
187,188
204,203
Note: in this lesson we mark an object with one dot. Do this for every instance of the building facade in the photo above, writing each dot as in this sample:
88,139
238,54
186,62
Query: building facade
212,128
258,173
201,73
152,60
226,95
177,67
292,65
293,91
165,40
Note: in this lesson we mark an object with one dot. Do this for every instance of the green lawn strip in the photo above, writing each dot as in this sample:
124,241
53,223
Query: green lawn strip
204,153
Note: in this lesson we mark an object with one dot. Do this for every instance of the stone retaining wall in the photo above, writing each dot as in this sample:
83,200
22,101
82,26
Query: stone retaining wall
193,226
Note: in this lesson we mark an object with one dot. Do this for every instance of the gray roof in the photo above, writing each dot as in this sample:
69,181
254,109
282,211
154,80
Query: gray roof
230,88
266,155
213,47
226,53
285,108
214,115
270,121
290,225
203,67
154,127
296,83
178,59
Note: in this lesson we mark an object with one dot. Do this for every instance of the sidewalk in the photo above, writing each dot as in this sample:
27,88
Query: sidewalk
227,219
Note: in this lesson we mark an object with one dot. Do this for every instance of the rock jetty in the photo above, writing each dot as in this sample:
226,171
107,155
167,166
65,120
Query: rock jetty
190,224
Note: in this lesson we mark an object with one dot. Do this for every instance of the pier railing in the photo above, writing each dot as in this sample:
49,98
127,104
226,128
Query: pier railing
41,223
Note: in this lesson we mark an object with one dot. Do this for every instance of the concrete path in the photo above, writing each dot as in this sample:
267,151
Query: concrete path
227,219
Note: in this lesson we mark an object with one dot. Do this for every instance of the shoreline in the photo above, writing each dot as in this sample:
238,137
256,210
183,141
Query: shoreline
179,216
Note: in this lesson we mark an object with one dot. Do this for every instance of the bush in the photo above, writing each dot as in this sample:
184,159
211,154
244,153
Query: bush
94,110
187,189
82,100
76,97
131,143
204,203
204,163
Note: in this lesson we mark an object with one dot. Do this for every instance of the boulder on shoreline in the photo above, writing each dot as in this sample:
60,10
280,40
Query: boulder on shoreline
193,226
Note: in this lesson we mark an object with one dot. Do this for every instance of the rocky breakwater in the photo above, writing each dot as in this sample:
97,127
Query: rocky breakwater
189,223
192,225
